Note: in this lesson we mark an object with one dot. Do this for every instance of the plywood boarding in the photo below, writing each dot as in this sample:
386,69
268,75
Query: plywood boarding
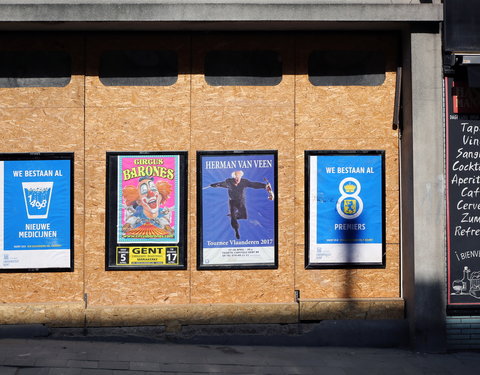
176,315
247,118
54,314
347,118
290,117
47,119
99,95
131,118
47,130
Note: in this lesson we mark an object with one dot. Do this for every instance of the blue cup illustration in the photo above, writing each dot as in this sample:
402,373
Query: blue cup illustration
37,197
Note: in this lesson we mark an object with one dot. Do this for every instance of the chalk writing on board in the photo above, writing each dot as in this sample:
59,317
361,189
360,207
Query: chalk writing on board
463,156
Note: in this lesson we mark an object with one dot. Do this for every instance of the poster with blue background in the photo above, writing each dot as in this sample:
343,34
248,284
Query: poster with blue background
346,208
35,215
238,209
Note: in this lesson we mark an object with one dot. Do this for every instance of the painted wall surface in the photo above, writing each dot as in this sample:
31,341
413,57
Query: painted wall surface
89,118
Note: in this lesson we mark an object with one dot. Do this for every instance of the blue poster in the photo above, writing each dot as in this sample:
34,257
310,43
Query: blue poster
238,209
346,208
35,217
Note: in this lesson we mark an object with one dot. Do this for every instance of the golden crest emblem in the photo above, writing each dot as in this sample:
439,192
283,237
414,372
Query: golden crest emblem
349,206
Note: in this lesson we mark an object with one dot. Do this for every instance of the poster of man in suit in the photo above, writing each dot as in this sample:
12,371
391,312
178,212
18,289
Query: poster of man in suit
238,209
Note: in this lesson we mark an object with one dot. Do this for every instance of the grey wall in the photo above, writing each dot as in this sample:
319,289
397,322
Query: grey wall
423,191
215,10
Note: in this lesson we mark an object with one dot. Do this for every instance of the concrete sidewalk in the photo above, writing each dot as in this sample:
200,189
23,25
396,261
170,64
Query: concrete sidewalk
47,356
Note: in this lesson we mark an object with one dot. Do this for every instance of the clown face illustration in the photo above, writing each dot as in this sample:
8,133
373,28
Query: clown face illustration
150,198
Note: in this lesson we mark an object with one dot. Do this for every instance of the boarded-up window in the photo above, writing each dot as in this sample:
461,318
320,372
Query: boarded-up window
346,68
243,68
139,68
34,69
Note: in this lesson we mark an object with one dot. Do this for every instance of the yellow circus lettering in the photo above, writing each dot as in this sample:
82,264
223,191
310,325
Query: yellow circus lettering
148,161
150,170
126,175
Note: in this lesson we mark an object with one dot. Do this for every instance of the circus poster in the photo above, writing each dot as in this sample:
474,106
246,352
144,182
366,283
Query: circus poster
147,199
148,209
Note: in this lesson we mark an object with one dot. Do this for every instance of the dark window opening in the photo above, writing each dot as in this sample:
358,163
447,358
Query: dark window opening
346,68
243,68
34,69
138,68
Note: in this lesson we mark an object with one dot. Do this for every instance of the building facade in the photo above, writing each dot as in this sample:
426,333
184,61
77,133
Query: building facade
320,76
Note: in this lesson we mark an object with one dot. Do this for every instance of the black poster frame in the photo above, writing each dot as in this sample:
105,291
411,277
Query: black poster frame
201,265
48,156
112,245
347,265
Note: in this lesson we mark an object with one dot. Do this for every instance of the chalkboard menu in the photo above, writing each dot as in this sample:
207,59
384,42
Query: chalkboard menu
463,197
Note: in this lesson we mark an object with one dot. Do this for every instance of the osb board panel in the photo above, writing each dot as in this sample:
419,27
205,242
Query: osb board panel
347,117
257,286
352,309
47,130
249,96
71,95
357,112
323,118
42,130
386,42
247,118
240,128
134,118
392,216
349,283
136,129
53,314
110,288
99,95
339,111
192,314
384,282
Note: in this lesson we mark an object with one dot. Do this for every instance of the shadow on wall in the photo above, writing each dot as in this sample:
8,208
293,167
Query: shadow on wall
353,333
35,69
351,236
429,317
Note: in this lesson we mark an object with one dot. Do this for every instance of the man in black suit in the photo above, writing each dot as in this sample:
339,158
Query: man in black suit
236,193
